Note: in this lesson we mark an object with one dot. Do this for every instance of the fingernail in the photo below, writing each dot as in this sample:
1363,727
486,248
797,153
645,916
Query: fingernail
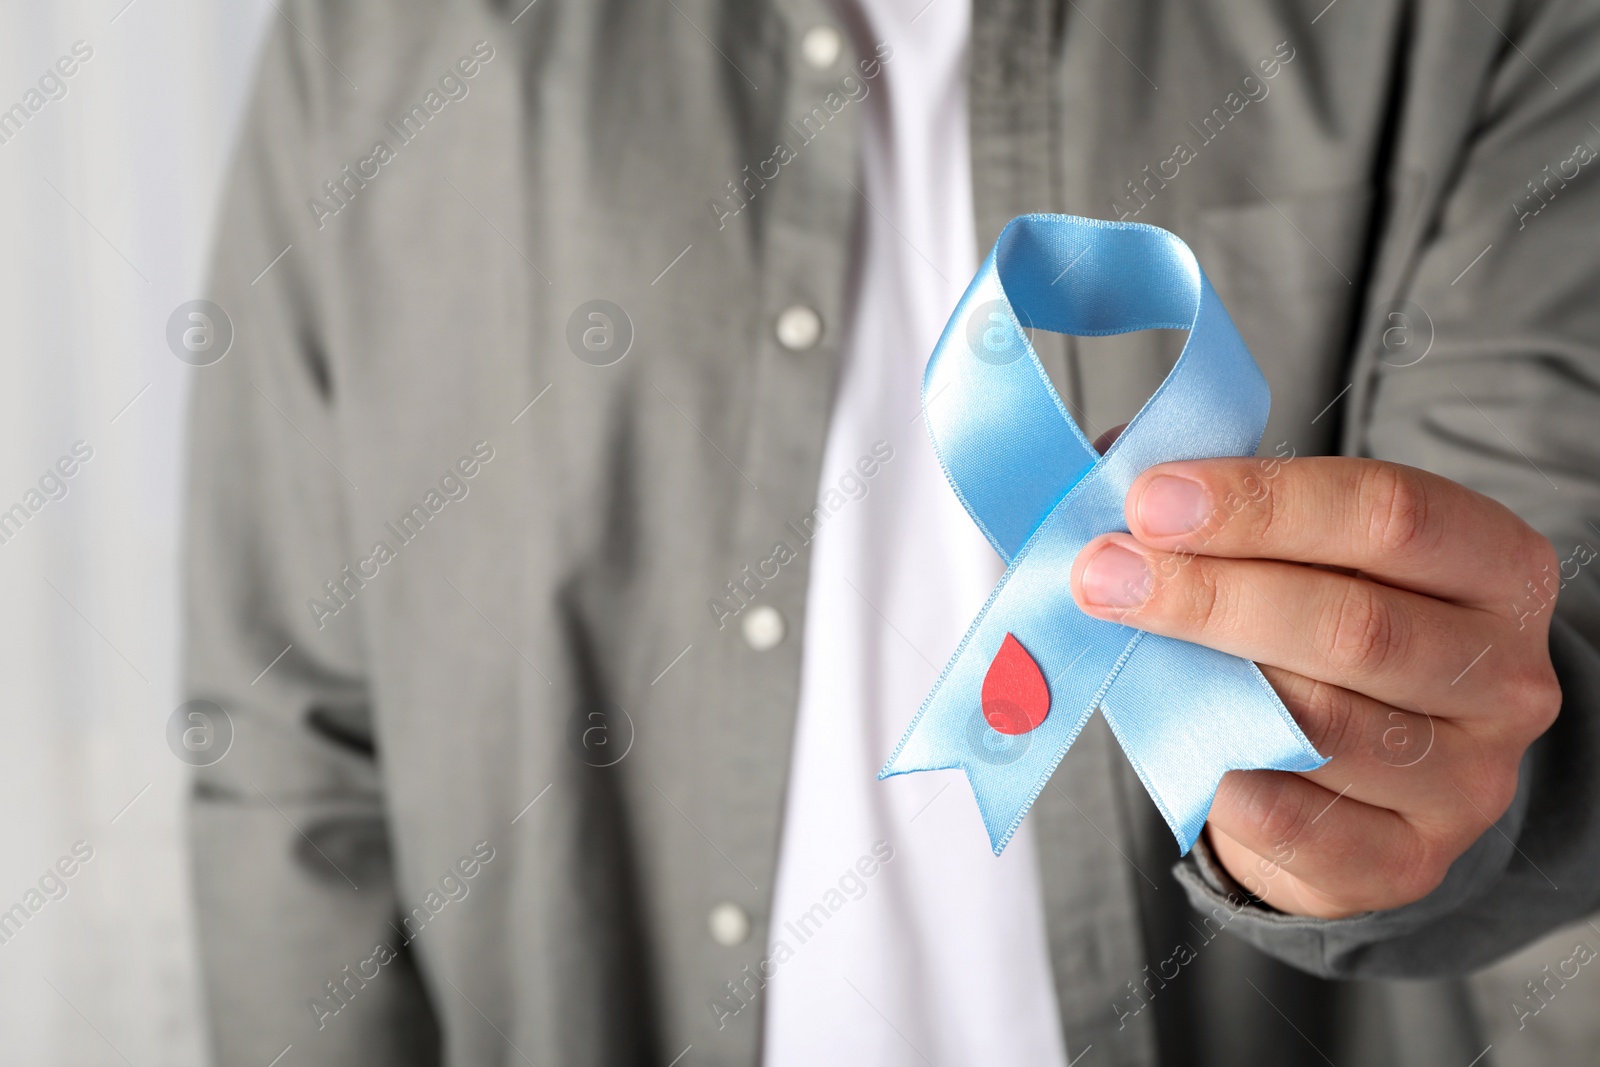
1116,578
1171,505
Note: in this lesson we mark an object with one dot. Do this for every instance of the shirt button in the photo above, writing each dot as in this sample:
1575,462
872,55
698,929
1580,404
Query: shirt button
763,628
799,328
730,925
821,46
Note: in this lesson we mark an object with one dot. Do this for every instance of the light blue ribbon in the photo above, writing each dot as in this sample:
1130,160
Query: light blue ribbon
1184,714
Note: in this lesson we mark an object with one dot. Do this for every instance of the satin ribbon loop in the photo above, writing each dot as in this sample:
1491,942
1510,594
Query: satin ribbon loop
1183,714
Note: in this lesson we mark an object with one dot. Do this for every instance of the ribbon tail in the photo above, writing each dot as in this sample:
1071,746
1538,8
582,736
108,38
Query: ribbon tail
1008,771
921,750
1185,715
1006,774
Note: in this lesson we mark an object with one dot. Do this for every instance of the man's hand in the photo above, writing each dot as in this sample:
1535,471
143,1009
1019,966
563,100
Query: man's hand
1404,621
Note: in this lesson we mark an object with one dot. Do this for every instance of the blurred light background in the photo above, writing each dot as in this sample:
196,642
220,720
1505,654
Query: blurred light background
108,195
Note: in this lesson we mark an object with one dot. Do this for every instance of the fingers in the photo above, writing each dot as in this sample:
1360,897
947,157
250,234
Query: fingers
1331,856
1399,647
1374,827
1413,585
1429,770
1105,440
1377,754
1401,526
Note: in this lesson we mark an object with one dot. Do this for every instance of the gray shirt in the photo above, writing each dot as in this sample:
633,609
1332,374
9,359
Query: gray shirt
470,543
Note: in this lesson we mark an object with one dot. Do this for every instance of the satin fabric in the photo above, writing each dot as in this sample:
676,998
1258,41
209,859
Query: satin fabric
1184,714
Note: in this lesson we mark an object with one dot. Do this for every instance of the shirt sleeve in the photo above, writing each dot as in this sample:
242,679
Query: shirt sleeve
1506,400
291,858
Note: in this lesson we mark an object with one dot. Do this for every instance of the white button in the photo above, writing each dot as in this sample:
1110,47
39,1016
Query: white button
730,925
799,328
821,46
763,628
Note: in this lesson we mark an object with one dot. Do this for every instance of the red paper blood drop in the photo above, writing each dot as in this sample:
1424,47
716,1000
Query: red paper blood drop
1015,696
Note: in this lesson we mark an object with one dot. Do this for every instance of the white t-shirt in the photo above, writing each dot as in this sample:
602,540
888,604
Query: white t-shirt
939,955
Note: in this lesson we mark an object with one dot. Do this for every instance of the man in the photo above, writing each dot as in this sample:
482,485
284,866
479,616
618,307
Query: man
569,477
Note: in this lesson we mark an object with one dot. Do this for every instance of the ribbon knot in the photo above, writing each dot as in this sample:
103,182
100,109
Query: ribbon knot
1184,714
